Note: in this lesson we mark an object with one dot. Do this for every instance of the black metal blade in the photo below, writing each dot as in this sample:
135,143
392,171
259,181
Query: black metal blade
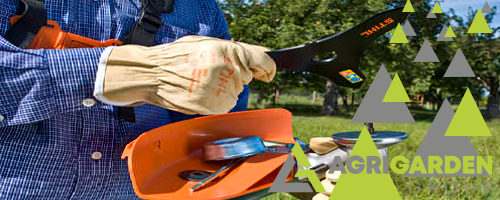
348,45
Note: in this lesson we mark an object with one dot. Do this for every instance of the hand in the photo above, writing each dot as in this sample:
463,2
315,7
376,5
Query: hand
193,75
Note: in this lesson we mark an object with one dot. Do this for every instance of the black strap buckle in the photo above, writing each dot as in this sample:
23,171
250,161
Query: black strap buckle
150,22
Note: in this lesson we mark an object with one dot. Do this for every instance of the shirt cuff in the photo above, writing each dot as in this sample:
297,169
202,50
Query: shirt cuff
73,74
101,72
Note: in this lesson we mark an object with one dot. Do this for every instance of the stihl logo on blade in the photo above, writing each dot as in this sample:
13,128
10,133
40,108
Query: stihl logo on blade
378,27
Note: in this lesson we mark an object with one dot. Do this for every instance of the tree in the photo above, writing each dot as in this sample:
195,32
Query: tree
286,23
483,54
330,103
275,24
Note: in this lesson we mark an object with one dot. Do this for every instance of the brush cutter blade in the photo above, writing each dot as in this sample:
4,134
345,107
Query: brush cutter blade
348,46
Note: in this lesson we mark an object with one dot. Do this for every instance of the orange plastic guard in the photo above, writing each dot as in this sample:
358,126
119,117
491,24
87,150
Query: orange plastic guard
51,36
156,158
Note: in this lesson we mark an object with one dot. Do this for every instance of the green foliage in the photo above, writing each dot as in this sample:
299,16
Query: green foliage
286,23
307,125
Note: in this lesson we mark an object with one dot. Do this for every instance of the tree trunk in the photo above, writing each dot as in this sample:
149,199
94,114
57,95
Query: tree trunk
330,103
439,99
353,100
492,108
314,97
277,95
260,97
345,104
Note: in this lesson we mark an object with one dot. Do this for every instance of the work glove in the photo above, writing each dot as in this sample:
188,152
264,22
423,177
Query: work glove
192,75
322,145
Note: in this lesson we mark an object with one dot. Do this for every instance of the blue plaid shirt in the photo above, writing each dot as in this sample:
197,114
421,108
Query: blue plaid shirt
47,136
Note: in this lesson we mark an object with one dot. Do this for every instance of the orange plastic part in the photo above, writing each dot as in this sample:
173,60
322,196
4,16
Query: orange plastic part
51,36
156,158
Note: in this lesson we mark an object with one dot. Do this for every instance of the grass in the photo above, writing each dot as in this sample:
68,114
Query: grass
307,123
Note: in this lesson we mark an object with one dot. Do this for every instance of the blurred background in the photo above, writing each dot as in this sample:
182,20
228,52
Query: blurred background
321,108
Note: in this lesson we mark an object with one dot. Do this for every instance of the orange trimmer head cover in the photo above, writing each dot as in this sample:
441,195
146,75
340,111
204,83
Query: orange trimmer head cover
158,157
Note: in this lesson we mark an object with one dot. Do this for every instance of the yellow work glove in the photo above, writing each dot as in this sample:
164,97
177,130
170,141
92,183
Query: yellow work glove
193,75
322,145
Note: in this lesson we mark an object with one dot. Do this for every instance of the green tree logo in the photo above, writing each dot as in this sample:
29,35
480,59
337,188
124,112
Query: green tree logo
396,92
372,185
279,184
398,36
479,25
468,120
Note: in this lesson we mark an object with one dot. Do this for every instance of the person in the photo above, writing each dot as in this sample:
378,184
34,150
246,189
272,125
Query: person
60,136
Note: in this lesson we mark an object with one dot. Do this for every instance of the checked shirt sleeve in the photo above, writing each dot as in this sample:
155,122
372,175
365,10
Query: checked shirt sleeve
38,84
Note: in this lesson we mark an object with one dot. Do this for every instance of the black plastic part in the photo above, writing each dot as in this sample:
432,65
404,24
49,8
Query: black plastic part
144,29
194,175
150,22
348,45
126,113
33,18
370,128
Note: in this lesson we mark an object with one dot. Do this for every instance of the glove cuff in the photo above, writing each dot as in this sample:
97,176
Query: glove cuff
99,80
122,79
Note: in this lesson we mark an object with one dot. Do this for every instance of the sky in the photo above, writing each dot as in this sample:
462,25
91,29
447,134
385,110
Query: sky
462,7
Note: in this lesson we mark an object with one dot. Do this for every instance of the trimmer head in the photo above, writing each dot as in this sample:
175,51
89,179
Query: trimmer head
382,139
348,46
